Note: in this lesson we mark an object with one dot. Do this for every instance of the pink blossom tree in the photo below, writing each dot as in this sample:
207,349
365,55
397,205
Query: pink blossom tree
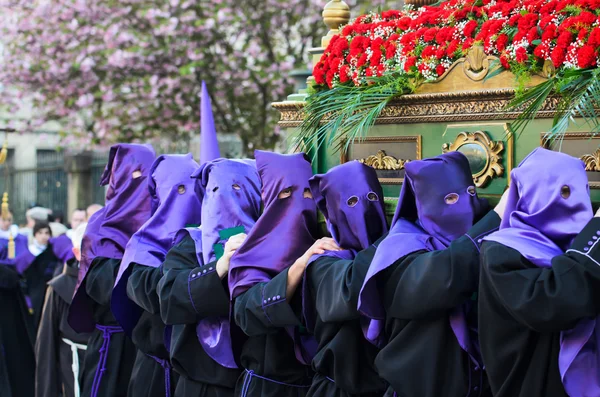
131,70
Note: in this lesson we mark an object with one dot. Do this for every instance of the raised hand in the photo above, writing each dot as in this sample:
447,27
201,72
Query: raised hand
231,247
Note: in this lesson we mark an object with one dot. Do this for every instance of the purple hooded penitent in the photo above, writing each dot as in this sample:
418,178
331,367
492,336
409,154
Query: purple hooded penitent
127,207
62,248
285,230
438,203
544,212
351,199
283,233
231,199
175,205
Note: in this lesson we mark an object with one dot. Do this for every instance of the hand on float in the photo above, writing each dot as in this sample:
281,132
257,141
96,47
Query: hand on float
231,246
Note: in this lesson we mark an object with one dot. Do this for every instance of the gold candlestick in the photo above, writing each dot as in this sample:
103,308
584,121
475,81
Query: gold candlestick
11,247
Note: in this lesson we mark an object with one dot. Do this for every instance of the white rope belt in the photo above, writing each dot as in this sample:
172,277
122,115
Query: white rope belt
75,366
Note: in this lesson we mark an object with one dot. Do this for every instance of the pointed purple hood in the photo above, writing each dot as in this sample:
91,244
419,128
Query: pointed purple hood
175,206
128,206
231,199
284,231
438,203
351,199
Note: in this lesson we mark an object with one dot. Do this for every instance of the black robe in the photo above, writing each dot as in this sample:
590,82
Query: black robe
121,351
183,302
344,356
17,363
422,357
152,375
262,312
523,309
54,355
36,278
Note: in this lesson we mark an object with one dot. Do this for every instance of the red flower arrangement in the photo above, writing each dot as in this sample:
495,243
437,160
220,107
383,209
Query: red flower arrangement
423,43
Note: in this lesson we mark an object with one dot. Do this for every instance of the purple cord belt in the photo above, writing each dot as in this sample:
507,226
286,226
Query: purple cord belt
167,368
248,379
107,333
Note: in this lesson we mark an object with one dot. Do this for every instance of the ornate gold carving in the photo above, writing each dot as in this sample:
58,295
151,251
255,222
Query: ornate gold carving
476,64
480,143
592,161
548,69
335,14
381,161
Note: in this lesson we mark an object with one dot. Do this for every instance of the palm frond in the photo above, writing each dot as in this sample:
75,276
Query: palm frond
338,116
531,101
580,98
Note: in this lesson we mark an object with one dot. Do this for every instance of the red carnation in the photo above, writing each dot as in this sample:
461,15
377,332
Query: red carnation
594,39
504,62
410,62
318,73
329,78
440,69
521,54
452,47
430,34
339,47
428,51
344,74
362,60
558,56
376,57
549,32
587,18
470,28
404,23
586,56
501,42
442,36
532,34
564,40
390,50
391,14
440,53
541,51
334,62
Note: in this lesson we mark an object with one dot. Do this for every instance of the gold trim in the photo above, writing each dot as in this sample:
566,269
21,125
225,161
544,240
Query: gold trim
476,64
462,106
417,139
381,161
568,136
493,167
592,161
586,158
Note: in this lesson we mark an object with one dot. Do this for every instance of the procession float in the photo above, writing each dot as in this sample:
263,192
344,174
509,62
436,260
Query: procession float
492,79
